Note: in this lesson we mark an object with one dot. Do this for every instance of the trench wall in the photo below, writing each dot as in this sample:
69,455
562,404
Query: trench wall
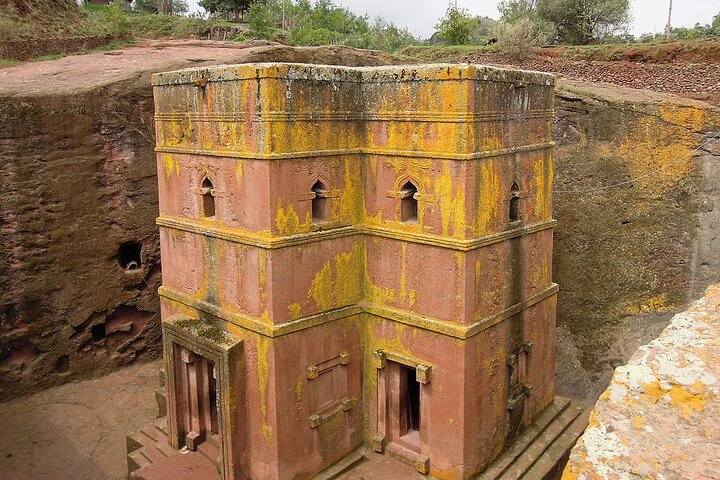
627,254
78,181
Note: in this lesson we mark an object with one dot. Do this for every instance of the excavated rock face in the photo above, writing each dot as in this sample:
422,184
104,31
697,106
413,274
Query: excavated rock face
81,261
644,246
80,265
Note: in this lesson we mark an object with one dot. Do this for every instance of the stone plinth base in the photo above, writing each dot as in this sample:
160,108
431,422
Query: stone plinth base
537,453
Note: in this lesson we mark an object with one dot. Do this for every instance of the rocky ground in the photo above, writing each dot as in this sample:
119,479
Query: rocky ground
79,73
695,80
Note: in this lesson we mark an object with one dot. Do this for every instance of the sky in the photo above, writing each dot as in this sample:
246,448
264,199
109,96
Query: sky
420,16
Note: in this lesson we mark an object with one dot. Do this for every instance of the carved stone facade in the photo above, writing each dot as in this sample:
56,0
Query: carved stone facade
355,256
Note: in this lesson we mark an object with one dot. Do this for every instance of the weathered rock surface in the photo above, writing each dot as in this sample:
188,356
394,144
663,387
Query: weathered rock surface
80,265
659,416
637,175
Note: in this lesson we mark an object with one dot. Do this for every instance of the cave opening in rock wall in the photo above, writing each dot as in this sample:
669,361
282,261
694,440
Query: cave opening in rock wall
129,256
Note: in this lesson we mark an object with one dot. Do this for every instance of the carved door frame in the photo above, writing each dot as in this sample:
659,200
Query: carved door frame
225,352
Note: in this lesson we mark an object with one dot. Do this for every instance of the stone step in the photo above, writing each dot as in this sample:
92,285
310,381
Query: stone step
134,441
153,453
210,449
518,447
537,449
552,462
346,464
135,461
189,466
166,449
153,433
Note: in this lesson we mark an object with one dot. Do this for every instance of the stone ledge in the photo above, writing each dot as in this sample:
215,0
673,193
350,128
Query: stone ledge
659,417
369,75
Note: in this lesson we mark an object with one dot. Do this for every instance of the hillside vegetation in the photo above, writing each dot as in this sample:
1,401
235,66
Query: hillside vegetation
705,51
300,22
27,19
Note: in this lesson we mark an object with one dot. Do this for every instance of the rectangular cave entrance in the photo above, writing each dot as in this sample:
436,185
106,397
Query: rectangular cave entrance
196,394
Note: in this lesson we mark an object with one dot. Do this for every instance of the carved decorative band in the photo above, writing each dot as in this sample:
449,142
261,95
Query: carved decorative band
263,241
455,329
453,243
459,156
401,116
443,327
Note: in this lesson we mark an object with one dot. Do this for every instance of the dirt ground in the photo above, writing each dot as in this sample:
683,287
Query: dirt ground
80,73
77,430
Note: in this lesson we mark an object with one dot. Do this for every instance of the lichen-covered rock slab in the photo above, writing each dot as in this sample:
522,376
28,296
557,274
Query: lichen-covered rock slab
660,416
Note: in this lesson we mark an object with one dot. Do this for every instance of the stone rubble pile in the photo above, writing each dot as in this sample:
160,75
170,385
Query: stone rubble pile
686,78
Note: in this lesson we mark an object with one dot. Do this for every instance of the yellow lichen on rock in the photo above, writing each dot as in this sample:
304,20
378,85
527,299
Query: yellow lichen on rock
658,404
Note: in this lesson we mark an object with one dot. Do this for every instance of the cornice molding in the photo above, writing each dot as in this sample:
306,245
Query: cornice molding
439,326
266,241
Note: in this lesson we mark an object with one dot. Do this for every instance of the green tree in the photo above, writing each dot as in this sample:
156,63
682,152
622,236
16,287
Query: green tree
457,26
222,7
512,11
261,21
302,22
581,22
166,7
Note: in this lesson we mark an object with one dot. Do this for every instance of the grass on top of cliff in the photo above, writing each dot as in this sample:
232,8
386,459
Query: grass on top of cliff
678,51
154,25
47,19
442,54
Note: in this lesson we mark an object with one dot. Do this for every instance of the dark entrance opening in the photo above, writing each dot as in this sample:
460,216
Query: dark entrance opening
98,332
409,402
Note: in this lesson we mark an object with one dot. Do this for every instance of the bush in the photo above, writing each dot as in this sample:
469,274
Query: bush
518,39
117,22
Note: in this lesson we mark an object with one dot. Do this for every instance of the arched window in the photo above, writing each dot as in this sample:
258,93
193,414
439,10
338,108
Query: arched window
408,203
320,202
515,214
208,198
